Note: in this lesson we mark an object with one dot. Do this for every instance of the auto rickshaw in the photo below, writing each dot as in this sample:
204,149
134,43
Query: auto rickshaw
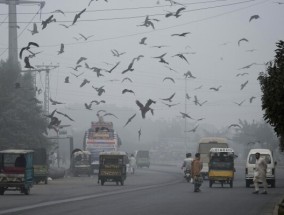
40,165
221,166
112,167
16,170
80,162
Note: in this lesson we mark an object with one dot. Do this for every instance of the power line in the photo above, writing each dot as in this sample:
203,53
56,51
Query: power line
121,9
142,16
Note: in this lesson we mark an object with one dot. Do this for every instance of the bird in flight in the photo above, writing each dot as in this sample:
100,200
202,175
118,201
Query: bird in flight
100,90
81,59
88,106
50,19
181,56
193,129
176,14
162,60
116,53
148,22
171,69
58,11
67,26
129,120
98,102
110,114
240,103
76,67
185,115
188,74
27,48
77,75
63,114
130,67
241,74
53,102
234,125
215,88
251,99
169,78
243,39
61,48
86,37
127,91
85,81
243,85
78,15
254,17
170,105
145,108
170,98
142,41
66,80
109,71
181,35
34,31
126,79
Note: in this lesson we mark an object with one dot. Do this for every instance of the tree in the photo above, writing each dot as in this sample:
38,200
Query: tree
272,87
21,120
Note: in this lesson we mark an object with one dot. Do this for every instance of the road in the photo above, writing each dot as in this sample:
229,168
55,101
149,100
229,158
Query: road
158,190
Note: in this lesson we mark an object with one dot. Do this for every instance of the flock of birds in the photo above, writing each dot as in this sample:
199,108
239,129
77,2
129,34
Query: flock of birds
55,122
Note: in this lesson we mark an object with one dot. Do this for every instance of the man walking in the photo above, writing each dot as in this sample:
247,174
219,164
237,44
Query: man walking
260,173
196,166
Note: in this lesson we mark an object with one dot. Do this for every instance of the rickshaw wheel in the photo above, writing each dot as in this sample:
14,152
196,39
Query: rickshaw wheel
2,190
122,182
45,181
117,183
231,184
102,182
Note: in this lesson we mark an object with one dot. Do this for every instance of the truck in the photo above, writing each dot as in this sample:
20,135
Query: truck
100,137
142,158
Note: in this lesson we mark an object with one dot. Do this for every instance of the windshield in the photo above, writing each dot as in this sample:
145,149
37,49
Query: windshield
265,156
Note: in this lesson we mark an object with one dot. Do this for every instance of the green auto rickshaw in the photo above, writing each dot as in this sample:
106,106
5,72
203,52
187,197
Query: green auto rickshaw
16,170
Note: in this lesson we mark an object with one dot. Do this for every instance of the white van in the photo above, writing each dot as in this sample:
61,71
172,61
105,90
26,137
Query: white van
250,166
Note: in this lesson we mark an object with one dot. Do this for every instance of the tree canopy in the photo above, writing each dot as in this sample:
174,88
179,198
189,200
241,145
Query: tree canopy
272,87
22,124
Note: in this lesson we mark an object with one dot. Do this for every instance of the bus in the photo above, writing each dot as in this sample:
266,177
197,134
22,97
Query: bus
204,146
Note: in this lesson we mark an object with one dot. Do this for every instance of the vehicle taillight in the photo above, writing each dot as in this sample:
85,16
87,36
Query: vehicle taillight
246,170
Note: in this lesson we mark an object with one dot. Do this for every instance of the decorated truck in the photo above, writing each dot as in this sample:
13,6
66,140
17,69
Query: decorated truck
100,137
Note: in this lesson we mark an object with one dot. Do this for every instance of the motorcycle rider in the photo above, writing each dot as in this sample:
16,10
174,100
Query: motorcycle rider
186,166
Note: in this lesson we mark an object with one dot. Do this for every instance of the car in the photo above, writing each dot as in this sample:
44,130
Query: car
250,166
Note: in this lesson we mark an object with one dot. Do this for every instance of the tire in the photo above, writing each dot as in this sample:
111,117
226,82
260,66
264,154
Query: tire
122,182
247,183
210,183
46,181
231,184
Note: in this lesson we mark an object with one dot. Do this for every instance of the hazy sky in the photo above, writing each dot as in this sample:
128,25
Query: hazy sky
211,48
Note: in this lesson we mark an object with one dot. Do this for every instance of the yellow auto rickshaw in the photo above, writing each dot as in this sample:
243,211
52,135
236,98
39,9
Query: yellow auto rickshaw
112,167
221,166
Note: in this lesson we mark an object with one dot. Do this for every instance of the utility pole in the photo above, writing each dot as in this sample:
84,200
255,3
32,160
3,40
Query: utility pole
13,35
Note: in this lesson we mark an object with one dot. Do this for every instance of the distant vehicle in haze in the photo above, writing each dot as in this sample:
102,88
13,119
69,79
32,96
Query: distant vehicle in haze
142,158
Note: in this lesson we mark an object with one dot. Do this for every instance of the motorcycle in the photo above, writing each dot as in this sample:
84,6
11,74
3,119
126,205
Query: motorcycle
187,175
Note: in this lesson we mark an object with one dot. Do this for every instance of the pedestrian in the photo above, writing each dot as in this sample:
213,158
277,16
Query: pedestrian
260,173
20,161
132,164
196,166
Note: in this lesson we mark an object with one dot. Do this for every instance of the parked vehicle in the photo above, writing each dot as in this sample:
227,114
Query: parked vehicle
250,165
204,146
221,166
16,170
80,162
112,167
40,165
142,158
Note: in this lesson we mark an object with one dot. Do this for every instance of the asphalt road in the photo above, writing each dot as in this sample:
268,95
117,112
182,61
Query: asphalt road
158,190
